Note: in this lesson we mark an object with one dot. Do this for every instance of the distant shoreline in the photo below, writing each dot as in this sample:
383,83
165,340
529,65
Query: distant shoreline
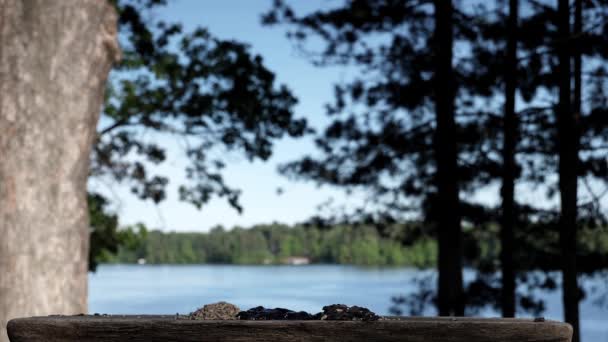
279,244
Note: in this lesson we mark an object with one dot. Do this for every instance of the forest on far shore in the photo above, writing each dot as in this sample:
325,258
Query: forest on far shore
354,244
274,244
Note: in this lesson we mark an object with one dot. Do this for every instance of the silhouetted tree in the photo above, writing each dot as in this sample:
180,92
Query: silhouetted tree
537,140
211,95
509,166
568,149
395,130
450,297
382,135
573,132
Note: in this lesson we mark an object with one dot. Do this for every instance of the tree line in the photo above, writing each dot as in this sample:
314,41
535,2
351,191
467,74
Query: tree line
359,245
349,244
274,244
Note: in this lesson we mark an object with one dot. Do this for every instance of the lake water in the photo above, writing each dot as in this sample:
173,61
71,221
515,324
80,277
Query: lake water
170,289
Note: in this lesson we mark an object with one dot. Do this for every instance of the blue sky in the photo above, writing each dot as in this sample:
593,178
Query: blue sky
240,20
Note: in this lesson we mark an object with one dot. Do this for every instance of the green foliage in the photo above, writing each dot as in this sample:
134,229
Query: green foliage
350,244
215,95
273,244
106,237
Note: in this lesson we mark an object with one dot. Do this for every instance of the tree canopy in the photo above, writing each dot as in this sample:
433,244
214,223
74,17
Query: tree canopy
384,133
214,94
210,95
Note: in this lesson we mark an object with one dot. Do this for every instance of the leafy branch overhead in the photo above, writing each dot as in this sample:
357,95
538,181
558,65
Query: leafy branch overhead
383,127
211,94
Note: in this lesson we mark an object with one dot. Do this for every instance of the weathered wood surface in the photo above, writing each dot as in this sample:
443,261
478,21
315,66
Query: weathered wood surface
167,328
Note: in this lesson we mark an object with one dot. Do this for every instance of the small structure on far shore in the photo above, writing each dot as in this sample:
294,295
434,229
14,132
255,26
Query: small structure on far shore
297,260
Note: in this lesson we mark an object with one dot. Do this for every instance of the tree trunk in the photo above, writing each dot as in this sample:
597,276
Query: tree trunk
578,29
509,167
568,165
55,56
450,294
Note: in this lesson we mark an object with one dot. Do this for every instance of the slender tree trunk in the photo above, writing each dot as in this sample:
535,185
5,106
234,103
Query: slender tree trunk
55,56
509,167
450,293
578,29
568,142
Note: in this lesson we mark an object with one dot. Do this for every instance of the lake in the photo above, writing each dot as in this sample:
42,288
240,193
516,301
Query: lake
170,289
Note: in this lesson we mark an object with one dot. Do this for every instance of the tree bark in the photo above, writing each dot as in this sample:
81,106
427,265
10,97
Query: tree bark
450,298
578,30
55,56
509,167
568,142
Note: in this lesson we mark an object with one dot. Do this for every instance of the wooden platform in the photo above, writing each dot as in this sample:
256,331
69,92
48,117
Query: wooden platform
168,328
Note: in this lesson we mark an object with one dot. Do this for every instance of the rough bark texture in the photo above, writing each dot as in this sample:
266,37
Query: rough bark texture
55,56
72,329
509,168
568,145
450,294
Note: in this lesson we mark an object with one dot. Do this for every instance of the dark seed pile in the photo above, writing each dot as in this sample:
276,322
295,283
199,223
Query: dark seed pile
335,312
260,313
341,312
